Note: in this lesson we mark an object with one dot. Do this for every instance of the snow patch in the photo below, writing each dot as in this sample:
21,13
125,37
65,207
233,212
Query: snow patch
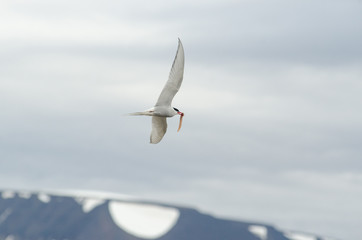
91,194
88,204
4,215
44,197
10,237
7,194
25,195
259,231
143,220
299,236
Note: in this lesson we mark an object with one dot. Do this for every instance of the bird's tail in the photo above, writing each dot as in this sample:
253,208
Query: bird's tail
145,113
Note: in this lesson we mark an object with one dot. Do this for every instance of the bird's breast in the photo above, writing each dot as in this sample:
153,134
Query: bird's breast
164,112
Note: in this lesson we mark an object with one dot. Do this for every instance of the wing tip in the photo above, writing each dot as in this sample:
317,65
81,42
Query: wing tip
179,41
180,48
154,141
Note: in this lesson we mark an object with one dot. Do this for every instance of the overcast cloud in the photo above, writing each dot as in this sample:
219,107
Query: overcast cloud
272,94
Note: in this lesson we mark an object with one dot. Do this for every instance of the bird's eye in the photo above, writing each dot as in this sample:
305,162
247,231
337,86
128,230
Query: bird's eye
176,109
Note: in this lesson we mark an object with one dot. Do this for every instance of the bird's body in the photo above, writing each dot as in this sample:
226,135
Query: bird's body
163,108
159,111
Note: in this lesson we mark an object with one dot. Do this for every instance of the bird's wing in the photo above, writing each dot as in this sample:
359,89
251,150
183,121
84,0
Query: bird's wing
175,78
159,127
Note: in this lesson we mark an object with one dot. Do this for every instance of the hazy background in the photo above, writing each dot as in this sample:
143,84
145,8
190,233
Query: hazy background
272,97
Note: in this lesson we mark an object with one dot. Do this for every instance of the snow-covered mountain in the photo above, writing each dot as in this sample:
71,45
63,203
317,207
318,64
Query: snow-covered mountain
98,216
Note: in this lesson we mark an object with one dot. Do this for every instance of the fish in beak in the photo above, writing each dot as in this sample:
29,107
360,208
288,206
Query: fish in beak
181,116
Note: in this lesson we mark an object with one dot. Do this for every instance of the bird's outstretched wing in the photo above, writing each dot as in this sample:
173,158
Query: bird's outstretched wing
159,127
175,78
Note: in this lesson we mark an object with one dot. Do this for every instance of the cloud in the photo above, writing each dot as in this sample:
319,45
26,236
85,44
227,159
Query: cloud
271,97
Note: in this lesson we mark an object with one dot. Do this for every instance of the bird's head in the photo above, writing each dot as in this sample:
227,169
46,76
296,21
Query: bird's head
178,112
181,116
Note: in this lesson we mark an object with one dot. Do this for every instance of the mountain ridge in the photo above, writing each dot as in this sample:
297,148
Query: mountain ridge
72,215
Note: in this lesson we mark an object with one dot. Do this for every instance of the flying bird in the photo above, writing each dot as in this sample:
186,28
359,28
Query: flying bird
163,108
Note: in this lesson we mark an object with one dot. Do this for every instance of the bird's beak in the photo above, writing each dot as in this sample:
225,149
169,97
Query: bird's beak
181,116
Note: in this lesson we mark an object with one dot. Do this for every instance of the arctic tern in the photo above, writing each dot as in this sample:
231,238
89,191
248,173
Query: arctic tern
163,108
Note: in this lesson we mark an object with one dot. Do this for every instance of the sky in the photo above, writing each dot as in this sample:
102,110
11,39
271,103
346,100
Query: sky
271,96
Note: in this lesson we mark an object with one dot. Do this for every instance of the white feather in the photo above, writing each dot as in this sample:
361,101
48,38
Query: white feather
159,128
